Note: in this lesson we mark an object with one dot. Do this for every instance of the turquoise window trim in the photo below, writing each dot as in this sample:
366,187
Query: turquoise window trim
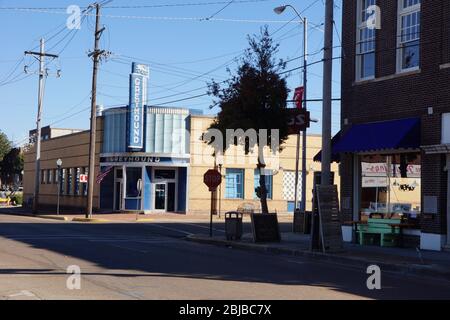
269,185
234,183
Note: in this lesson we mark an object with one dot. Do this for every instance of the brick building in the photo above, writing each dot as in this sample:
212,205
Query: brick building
396,114
152,159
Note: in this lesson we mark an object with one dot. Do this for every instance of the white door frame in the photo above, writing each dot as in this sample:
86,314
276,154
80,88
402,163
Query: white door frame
165,196
356,187
448,199
166,182
116,180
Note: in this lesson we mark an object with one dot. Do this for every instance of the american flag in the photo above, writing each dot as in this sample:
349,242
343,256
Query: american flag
102,175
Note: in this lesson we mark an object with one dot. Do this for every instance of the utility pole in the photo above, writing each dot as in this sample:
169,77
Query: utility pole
280,10
327,89
42,74
305,90
96,54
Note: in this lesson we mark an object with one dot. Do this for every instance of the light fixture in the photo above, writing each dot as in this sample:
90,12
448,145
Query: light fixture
280,9
59,162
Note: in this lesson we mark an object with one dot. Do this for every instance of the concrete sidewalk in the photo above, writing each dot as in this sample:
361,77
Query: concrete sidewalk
399,260
106,217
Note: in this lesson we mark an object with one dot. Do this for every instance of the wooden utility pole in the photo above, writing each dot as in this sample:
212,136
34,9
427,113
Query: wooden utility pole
41,55
327,90
96,54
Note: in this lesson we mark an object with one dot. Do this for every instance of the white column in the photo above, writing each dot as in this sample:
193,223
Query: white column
448,200
356,187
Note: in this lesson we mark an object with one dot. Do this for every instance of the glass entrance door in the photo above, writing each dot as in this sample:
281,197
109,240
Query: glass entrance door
165,189
118,189
160,196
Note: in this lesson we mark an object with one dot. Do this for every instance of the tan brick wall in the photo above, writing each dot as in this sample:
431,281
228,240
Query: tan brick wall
73,150
199,196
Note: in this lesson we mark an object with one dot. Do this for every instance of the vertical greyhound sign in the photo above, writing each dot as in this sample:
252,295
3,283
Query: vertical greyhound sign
138,99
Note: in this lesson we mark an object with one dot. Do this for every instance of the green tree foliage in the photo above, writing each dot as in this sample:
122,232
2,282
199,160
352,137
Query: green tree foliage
11,165
5,145
254,98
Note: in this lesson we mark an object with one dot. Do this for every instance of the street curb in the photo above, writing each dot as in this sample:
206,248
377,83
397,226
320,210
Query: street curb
411,269
60,218
89,220
30,215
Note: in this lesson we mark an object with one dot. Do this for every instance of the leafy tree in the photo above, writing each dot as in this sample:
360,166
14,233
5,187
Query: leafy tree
11,165
254,98
5,145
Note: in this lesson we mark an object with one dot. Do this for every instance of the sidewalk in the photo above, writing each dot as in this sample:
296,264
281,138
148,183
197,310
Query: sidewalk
106,217
399,260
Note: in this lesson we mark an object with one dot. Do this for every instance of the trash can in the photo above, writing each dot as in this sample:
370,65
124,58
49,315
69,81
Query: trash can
233,225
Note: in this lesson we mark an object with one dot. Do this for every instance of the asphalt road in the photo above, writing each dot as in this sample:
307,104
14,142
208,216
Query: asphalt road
153,261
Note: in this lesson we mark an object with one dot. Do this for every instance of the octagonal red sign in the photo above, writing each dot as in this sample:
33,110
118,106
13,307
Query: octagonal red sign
212,178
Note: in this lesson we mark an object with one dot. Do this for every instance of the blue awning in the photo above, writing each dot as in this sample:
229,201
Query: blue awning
334,156
377,136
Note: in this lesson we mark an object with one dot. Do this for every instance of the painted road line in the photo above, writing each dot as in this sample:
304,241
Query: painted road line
204,227
170,229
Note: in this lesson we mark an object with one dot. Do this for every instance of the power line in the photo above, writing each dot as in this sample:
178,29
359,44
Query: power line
192,4
222,9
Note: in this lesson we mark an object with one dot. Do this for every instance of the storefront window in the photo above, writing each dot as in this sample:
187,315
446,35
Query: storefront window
69,181
63,181
133,177
77,181
393,193
269,184
85,185
234,184
165,174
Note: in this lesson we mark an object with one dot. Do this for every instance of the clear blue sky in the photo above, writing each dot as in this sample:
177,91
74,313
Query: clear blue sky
183,54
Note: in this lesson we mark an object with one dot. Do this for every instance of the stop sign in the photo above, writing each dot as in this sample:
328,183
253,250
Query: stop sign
212,179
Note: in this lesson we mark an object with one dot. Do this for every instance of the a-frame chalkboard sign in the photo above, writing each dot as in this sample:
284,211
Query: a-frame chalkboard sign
329,219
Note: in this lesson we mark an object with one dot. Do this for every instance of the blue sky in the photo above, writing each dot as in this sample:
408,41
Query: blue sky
183,54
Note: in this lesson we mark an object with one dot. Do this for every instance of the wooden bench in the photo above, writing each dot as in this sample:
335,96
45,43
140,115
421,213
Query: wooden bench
383,227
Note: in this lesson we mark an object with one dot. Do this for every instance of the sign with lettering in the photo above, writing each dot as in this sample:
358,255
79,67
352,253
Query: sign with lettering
380,170
329,219
299,120
212,178
138,99
83,178
265,227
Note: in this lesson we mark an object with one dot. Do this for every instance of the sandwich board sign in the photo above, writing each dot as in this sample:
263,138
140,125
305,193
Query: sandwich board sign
329,218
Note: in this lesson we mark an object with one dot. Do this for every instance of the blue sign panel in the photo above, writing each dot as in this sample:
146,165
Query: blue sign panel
136,112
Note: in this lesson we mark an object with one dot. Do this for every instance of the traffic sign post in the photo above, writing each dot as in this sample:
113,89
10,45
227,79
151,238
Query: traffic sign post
212,178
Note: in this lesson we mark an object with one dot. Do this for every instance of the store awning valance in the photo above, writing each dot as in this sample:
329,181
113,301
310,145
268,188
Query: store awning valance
334,156
378,136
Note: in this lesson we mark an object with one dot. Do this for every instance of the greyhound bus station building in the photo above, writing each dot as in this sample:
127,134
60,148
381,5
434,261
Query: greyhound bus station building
154,159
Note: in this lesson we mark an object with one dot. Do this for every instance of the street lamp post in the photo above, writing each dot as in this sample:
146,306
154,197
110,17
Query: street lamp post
58,164
280,10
